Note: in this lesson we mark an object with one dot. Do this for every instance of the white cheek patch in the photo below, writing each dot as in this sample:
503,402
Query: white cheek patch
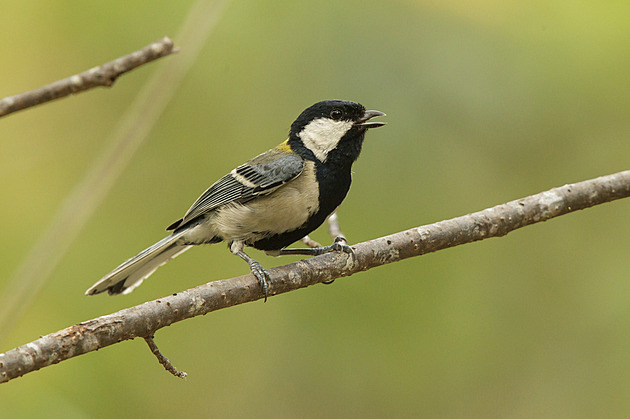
322,135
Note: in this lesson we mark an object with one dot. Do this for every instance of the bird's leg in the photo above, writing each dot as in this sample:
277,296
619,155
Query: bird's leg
339,245
258,271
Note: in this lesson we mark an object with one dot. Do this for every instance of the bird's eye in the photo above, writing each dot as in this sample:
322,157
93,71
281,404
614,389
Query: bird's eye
336,114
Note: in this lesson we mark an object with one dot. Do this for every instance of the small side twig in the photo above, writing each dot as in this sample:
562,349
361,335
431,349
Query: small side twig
333,226
166,363
333,230
103,75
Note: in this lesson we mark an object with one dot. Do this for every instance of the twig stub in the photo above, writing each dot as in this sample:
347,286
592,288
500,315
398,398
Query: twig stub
166,363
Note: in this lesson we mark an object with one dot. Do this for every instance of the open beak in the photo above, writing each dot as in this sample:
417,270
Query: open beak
367,115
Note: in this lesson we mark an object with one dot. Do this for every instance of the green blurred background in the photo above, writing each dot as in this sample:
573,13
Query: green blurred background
487,101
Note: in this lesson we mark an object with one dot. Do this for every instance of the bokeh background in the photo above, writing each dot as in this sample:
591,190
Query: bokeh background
487,101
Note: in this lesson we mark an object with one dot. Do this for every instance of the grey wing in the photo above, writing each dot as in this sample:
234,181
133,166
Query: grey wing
260,176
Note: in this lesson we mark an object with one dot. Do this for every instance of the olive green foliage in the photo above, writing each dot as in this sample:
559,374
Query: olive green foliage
487,101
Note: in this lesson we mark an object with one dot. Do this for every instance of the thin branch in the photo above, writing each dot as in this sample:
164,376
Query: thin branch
143,320
103,75
166,363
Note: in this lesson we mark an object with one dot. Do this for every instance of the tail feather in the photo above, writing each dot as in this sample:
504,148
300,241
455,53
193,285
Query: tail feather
130,274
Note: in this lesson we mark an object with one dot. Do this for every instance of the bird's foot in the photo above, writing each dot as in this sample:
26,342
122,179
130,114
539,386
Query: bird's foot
262,276
339,245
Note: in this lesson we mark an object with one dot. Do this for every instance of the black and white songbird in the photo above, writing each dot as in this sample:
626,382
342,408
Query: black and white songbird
269,202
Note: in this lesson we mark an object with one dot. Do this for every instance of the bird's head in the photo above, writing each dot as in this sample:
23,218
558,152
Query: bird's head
333,125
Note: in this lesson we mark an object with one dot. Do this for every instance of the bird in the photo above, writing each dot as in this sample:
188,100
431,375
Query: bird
269,202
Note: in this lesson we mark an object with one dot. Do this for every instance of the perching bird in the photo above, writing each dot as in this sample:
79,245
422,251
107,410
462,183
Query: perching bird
269,202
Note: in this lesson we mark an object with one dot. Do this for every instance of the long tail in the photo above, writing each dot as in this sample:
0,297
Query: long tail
130,274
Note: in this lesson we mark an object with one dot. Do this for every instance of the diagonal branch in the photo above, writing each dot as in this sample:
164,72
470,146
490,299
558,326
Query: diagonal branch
143,320
103,75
